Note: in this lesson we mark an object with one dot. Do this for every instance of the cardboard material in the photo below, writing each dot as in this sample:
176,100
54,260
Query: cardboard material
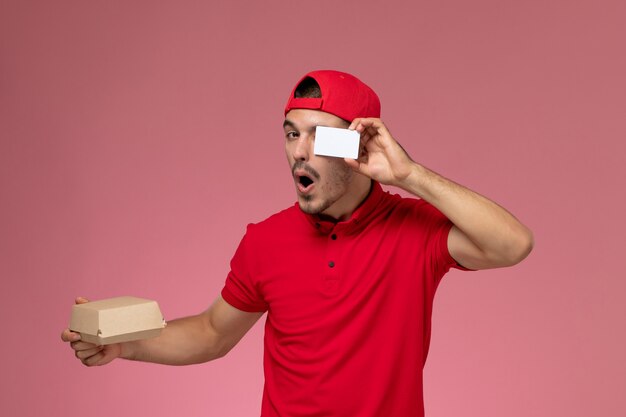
340,143
115,320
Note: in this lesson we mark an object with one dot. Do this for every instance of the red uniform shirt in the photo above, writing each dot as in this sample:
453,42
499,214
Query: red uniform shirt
349,305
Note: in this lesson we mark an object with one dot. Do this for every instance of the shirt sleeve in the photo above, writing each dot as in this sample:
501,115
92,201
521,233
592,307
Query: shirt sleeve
439,227
240,290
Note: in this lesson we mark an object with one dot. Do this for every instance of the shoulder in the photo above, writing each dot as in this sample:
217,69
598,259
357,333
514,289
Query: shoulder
265,233
412,208
283,220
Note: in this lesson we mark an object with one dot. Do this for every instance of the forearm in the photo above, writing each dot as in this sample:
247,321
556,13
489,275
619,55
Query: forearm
495,232
485,235
183,341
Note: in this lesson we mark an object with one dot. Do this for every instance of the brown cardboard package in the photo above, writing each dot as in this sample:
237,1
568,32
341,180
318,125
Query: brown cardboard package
115,320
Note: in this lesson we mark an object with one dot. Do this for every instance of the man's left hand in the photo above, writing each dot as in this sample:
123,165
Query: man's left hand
381,157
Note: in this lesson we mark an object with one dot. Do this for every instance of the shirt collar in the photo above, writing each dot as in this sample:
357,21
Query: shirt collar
358,218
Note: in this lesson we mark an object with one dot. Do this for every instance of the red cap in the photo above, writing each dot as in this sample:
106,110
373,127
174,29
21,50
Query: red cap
343,95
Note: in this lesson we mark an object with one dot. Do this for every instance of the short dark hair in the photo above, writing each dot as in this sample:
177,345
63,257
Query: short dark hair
308,88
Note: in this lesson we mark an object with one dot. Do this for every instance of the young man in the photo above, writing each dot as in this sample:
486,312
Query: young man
347,275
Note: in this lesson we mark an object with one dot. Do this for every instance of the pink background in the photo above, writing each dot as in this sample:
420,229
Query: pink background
139,138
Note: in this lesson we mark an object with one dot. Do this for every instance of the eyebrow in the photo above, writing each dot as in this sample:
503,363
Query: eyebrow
289,123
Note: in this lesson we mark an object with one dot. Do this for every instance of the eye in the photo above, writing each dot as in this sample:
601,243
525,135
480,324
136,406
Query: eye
292,134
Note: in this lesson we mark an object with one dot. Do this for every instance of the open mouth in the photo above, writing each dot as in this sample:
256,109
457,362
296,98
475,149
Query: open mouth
305,177
304,181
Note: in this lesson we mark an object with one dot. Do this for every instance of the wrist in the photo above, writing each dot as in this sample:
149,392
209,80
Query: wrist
413,180
127,351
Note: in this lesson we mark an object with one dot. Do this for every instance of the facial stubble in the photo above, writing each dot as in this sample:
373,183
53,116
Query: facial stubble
339,179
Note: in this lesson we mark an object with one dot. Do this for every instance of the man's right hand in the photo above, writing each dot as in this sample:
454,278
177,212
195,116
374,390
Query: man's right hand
88,353
194,339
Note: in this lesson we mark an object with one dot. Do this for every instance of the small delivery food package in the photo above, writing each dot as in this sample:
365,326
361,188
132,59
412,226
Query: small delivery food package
115,320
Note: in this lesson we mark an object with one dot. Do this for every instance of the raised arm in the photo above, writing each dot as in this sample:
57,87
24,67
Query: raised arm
195,339
485,235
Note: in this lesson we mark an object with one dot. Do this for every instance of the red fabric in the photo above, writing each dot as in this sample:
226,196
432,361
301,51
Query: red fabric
351,339
343,95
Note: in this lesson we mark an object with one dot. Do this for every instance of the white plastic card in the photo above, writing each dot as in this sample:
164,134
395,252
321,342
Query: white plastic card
340,143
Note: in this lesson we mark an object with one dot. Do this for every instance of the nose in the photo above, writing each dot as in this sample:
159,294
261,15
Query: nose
302,148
